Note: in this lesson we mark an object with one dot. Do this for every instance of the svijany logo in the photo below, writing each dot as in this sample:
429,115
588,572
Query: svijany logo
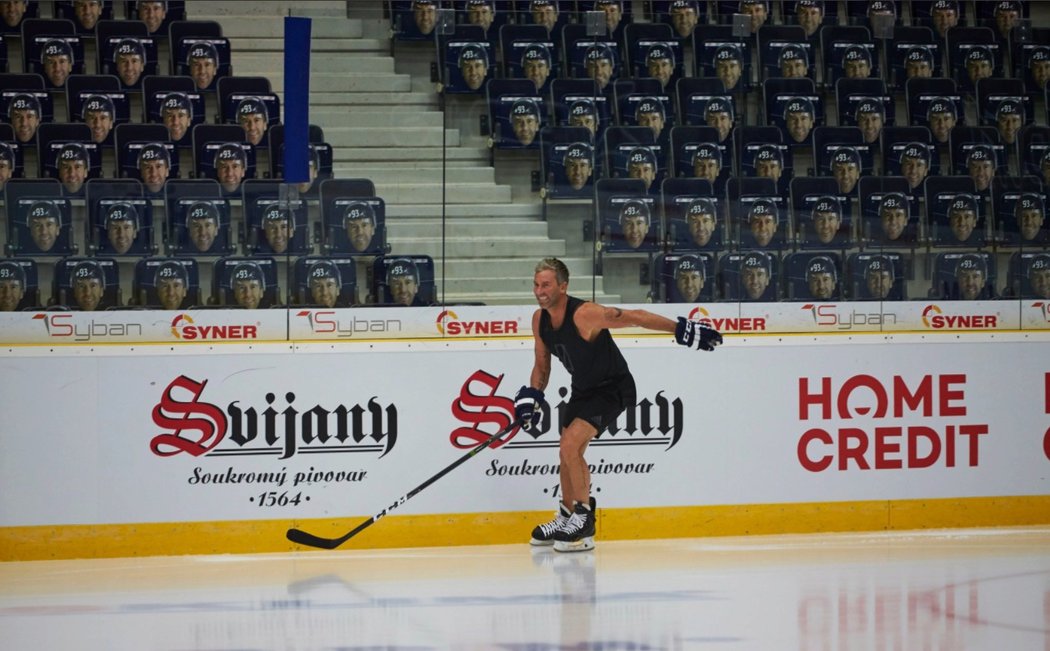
283,428
728,324
183,327
651,421
933,317
448,324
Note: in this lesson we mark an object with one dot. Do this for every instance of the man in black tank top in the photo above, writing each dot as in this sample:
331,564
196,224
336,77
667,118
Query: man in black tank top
577,333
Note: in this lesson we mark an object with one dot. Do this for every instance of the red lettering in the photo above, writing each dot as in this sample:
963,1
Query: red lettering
251,332
923,396
973,431
857,382
61,329
884,448
855,451
805,398
914,459
323,322
971,322
948,395
814,465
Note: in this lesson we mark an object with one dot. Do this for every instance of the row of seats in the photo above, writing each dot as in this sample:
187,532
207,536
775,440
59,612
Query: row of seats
685,217
516,112
652,50
157,15
253,282
828,276
53,49
120,220
422,19
143,152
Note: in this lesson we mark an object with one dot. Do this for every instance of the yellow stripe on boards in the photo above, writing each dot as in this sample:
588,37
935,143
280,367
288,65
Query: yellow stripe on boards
262,536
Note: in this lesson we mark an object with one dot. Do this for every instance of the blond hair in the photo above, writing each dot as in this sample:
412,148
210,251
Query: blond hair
561,272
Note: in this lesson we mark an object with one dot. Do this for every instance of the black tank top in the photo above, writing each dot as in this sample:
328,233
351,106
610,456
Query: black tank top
591,364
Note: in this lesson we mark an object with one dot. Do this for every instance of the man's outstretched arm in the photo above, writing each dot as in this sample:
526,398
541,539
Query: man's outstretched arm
592,317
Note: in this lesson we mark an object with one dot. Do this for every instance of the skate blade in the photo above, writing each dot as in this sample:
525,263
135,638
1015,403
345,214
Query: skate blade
535,542
581,545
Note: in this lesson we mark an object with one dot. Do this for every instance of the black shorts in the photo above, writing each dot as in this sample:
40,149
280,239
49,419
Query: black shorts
601,405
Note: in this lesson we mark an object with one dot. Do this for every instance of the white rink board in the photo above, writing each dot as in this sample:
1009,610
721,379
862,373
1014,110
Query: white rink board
298,324
721,428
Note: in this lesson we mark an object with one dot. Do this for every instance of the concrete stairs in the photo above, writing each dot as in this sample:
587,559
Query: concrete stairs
383,118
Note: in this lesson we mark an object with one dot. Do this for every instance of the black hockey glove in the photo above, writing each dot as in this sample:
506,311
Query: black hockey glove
692,333
528,407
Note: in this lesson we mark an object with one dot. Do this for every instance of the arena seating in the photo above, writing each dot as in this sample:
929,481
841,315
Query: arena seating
947,108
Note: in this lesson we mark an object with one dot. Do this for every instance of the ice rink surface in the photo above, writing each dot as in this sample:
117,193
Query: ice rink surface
931,590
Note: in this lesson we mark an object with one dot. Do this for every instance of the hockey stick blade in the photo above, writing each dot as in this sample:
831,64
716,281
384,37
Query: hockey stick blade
301,537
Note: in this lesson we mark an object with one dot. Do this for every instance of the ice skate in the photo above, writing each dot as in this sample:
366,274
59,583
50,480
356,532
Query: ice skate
577,535
543,534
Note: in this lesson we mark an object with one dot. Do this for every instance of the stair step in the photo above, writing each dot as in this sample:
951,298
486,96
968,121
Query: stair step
400,137
254,44
539,247
461,210
388,175
451,155
370,116
433,227
271,64
410,192
510,267
272,26
387,100
352,82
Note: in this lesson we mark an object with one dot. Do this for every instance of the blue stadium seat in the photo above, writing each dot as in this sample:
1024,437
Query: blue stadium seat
245,282
119,219
569,163
696,153
964,276
353,218
325,281
1029,275
1019,209
889,212
198,219
88,22
694,215
632,152
273,225
813,276
517,112
877,276
683,278
40,219
24,273
157,22
823,219
630,219
749,276
126,50
88,284
403,280
955,213
160,283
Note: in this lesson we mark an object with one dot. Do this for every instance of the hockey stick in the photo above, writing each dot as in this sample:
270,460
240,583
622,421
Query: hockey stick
304,538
